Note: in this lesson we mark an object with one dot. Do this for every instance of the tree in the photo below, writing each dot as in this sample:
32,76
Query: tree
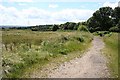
93,24
116,15
76,26
55,27
71,25
65,26
101,19
68,26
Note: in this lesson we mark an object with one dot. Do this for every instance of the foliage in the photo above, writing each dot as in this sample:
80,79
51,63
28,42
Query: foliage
82,28
101,19
102,33
114,29
116,15
118,24
104,19
41,28
55,27
65,26
81,39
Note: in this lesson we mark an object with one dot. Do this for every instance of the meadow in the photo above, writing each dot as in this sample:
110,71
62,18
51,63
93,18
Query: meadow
23,49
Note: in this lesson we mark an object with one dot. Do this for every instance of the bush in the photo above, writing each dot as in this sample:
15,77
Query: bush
106,32
91,29
63,51
102,33
82,28
55,27
81,39
114,29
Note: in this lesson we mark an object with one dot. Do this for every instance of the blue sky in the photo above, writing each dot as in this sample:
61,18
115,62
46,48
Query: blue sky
35,12
62,5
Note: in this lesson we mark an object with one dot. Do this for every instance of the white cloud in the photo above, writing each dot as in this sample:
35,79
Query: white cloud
11,16
72,15
113,5
36,16
53,6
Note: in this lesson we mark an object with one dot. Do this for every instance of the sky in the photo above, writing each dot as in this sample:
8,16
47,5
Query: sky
41,12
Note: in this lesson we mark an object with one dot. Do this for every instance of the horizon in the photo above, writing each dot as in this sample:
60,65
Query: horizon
31,13
33,25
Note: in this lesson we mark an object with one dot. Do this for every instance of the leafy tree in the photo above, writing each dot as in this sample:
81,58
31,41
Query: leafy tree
71,25
68,26
93,24
116,15
65,26
76,26
55,27
101,19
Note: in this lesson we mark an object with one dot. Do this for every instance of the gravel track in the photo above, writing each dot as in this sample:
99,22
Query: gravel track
91,65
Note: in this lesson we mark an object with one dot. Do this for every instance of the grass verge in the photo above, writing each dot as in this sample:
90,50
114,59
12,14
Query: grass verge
111,51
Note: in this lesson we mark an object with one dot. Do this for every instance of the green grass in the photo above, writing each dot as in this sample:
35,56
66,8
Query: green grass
111,51
0,53
25,51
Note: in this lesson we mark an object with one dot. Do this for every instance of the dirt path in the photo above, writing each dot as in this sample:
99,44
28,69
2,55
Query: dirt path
90,65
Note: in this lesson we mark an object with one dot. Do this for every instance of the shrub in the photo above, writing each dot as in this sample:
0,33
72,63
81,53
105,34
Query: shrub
91,29
82,28
81,39
106,32
55,27
63,51
102,33
114,29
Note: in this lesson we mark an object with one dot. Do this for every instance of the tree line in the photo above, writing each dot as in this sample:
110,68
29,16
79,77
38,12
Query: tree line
104,19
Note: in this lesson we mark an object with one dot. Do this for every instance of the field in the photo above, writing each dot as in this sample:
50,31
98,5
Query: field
23,49
111,51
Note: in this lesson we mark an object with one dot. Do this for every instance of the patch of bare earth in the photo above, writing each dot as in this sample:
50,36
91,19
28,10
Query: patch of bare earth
91,65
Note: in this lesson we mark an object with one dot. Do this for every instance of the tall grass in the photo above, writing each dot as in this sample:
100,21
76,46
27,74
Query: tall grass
22,49
111,51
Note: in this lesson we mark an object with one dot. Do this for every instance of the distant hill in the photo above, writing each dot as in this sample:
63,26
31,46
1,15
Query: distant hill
10,26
